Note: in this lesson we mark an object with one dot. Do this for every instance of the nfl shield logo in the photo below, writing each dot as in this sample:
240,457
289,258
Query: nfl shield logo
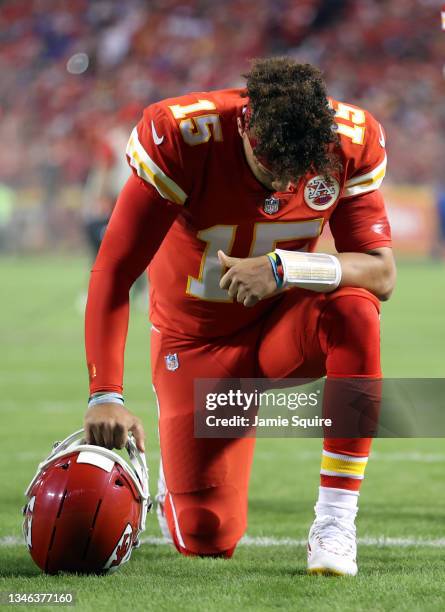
271,205
172,362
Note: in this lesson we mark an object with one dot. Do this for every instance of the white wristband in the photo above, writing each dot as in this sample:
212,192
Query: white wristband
105,398
315,271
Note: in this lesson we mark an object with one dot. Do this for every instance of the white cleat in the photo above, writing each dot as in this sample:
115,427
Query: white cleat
332,547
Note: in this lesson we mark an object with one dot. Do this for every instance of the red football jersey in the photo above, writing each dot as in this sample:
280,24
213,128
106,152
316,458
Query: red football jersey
190,150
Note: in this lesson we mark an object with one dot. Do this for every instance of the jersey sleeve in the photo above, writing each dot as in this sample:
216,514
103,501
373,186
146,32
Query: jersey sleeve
365,155
155,154
138,225
360,222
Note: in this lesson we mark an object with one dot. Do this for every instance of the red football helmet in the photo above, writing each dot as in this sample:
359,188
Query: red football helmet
86,507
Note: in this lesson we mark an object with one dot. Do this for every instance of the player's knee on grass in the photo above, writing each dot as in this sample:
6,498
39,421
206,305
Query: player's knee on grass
209,532
350,336
208,523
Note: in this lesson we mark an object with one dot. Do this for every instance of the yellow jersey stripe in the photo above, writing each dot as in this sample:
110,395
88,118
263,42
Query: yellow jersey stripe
365,182
150,172
155,180
369,175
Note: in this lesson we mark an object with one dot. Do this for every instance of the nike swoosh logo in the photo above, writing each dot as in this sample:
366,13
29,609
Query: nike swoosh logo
157,140
382,137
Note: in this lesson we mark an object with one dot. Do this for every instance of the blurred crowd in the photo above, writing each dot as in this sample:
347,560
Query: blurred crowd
72,72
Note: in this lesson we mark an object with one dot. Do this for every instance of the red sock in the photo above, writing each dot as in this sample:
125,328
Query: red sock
350,336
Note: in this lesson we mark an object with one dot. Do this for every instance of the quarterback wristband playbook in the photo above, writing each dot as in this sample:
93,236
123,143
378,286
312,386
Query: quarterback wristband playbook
105,397
315,271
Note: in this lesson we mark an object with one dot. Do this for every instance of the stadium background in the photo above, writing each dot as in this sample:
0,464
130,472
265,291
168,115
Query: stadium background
57,112
74,78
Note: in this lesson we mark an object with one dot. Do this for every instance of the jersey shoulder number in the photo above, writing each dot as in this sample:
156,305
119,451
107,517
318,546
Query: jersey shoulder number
198,122
362,142
164,149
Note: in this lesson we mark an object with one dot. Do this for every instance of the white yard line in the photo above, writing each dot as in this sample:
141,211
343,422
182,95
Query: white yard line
384,541
265,541
408,457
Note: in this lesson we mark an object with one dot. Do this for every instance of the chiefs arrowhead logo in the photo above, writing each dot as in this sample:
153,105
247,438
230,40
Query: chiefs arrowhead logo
321,192
122,551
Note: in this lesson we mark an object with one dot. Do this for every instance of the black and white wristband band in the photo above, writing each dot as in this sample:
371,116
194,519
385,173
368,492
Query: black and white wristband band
105,398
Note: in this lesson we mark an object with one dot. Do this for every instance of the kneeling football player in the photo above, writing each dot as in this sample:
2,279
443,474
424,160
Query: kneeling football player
229,194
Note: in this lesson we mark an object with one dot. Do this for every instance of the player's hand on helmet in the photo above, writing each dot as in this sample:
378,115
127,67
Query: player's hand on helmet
247,280
108,425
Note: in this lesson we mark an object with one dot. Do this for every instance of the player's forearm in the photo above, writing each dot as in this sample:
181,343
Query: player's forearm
374,271
253,279
106,325
137,227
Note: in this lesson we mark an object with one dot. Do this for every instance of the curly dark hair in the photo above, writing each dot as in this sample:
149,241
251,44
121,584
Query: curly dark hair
290,117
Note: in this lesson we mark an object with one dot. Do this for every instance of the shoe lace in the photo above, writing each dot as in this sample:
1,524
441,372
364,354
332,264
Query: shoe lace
335,535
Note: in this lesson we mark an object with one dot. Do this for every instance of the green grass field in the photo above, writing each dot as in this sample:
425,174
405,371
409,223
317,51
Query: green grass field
402,511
